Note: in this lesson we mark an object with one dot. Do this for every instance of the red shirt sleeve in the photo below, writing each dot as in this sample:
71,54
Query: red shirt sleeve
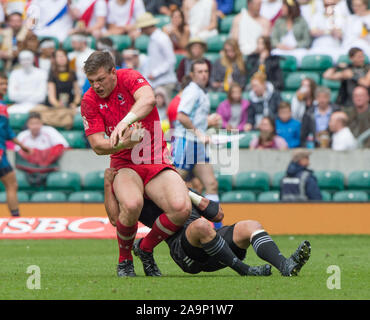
132,80
92,120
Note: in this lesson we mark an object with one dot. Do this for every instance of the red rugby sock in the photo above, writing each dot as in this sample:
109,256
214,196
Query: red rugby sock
161,230
125,236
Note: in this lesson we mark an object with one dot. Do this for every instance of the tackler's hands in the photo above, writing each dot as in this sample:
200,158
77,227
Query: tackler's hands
131,137
109,175
118,133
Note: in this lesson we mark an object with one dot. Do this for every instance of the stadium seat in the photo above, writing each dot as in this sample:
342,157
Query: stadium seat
269,196
276,180
78,122
63,181
212,56
22,196
120,42
330,180
179,57
163,20
316,62
287,96
350,196
239,5
141,43
252,180
326,196
226,24
17,121
49,196
216,43
216,98
248,137
22,181
288,63
86,196
94,180
2,65
225,182
74,138
293,79
359,180
67,43
334,95
238,196
331,84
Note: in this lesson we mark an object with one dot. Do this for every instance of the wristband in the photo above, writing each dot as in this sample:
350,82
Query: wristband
195,198
130,118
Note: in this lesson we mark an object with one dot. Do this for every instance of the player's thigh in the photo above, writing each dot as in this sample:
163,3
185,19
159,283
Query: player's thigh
169,192
243,231
129,189
205,173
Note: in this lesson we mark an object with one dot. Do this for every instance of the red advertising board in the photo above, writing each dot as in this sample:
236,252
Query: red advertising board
61,228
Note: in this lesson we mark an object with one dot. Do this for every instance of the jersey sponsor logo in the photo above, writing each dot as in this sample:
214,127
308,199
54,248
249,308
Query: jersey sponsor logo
121,99
140,80
101,106
85,123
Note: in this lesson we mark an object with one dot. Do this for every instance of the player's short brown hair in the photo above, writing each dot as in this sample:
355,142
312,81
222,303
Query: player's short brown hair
97,60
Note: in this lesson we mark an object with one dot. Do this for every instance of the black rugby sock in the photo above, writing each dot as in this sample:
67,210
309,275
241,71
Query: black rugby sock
266,249
220,250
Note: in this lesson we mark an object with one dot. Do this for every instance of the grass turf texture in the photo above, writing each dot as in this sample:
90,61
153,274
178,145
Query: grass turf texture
85,269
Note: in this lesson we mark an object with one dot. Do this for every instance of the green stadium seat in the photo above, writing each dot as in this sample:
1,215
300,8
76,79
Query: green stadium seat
56,41
17,121
293,79
334,95
86,196
248,137
326,196
179,57
75,138
288,63
330,180
238,196
216,98
331,84
359,180
212,56
22,197
49,196
269,196
316,62
67,43
276,180
216,43
141,43
78,123
225,182
120,41
2,64
22,181
252,180
226,24
350,196
287,96
239,5
163,20
94,180
63,181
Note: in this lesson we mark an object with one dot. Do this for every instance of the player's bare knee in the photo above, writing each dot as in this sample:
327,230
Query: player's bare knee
133,206
254,225
181,208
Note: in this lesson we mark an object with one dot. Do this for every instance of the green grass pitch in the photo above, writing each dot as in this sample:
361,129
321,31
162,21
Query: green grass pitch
85,269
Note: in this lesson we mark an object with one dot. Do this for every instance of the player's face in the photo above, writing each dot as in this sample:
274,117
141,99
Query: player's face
200,74
103,82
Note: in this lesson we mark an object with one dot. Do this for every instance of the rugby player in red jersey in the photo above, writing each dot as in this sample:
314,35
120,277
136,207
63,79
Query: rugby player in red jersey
116,100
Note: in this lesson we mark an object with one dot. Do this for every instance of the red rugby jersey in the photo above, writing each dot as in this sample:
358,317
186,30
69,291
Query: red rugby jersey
103,114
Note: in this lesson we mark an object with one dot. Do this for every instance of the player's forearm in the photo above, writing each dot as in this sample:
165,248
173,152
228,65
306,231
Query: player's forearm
102,146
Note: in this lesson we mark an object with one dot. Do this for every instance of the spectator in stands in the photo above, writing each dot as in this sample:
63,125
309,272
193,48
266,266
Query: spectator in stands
165,7
252,21
122,16
7,174
52,20
303,98
47,146
268,139
264,100
315,121
178,31
132,59
271,10
342,138
234,110
290,34
224,8
309,8
161,99
27,85
47,50
359,116
299,184
201,16
90,15
195,51
357,30
352,75
262,56
160,49
229,68
327,29
79,55
63,88
287,127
